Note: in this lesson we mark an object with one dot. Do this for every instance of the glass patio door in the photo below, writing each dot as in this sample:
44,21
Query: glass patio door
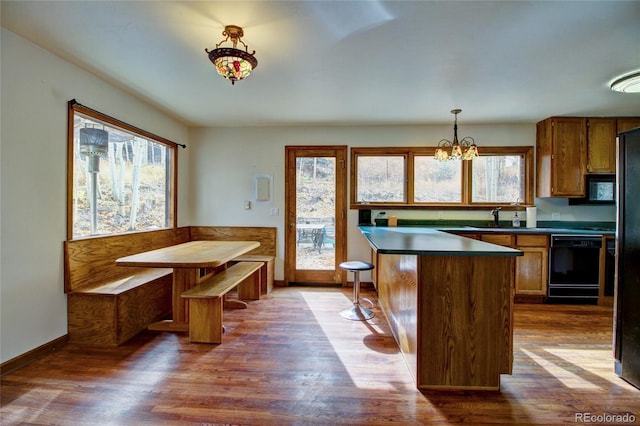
315,194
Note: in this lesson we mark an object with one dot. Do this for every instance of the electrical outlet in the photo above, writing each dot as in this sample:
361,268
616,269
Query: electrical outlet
555,216
274,211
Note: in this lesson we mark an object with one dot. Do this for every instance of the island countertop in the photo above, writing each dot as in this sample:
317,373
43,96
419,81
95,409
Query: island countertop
429,242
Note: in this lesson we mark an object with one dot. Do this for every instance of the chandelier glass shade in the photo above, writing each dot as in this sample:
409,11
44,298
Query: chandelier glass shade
465,149
232,63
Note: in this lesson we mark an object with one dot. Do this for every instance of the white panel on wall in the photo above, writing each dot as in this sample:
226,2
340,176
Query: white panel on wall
262,185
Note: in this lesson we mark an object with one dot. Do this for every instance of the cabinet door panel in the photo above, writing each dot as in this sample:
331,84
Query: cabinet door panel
569,157
532,241
601,142
532,271
500,239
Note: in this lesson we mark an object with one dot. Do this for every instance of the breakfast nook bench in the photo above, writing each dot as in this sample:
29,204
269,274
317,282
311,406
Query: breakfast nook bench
206,299
108,304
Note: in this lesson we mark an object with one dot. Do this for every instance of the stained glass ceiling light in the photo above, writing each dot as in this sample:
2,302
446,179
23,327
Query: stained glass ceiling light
465,149
232,63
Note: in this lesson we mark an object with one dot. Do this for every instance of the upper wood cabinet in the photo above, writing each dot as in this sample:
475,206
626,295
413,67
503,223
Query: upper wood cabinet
567,148
601,145
601,141
627,123
561,149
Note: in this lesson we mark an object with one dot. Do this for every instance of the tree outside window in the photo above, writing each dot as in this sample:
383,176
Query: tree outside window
413,178
121,179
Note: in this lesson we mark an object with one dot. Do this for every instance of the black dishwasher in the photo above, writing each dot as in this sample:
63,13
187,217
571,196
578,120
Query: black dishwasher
574,268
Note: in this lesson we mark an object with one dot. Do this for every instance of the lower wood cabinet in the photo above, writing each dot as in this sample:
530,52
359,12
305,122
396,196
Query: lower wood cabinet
532,271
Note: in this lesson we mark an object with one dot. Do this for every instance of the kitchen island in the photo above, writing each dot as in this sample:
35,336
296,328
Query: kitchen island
449,302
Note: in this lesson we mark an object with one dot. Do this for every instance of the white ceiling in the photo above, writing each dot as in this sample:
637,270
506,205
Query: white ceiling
352,62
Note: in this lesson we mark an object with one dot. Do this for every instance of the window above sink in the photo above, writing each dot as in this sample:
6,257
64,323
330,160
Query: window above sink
410,178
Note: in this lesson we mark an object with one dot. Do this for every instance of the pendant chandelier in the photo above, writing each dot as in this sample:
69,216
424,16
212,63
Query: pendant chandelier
465,149
232,63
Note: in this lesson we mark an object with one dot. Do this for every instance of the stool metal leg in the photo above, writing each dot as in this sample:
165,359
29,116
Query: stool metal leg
357,312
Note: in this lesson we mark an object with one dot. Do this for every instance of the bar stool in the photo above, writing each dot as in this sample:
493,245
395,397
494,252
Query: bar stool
357,312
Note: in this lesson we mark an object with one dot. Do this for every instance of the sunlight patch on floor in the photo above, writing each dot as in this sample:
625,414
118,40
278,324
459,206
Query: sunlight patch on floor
591,361
23,409
348,341
566,377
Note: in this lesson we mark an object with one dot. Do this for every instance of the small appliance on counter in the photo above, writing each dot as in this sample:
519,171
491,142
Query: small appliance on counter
364,217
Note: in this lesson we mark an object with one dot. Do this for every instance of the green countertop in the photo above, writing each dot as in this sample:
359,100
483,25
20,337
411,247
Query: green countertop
521,230
544,227
424,241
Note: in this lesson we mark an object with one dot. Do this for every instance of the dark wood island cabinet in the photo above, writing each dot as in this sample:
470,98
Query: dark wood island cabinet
449,302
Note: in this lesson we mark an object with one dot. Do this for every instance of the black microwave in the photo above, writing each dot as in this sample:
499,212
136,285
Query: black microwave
601,189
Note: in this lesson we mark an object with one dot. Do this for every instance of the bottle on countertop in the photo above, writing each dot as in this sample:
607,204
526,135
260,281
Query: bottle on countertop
516,221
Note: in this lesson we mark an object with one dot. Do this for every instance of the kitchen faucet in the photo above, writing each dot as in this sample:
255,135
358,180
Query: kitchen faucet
496,216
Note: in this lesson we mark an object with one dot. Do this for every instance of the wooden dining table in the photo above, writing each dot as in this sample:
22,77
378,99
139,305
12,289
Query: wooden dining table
186,259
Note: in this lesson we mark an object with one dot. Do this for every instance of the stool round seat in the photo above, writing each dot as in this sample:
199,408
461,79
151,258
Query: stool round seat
357,312
356,265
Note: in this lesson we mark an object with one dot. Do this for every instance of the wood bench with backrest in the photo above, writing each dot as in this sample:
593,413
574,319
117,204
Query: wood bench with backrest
109,304
265,253
206,299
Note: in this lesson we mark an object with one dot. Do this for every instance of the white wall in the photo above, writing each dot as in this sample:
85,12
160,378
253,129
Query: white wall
223,160
36,87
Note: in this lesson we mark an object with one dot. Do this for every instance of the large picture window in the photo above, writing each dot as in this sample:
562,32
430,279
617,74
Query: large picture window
412,178
120,178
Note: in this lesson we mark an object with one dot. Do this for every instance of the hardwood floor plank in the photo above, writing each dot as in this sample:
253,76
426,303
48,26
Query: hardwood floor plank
290,359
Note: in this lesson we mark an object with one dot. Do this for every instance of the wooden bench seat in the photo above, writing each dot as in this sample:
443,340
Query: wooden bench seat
127,283
267,271
108,304
206,299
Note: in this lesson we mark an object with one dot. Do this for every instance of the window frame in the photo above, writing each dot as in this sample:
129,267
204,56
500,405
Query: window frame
376,152
172,196
526,152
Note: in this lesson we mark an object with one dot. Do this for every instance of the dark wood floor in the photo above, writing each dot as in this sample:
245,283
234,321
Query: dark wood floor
291,359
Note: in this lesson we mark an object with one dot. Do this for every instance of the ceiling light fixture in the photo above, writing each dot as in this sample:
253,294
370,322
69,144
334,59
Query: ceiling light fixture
465,149
232,63
629,83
